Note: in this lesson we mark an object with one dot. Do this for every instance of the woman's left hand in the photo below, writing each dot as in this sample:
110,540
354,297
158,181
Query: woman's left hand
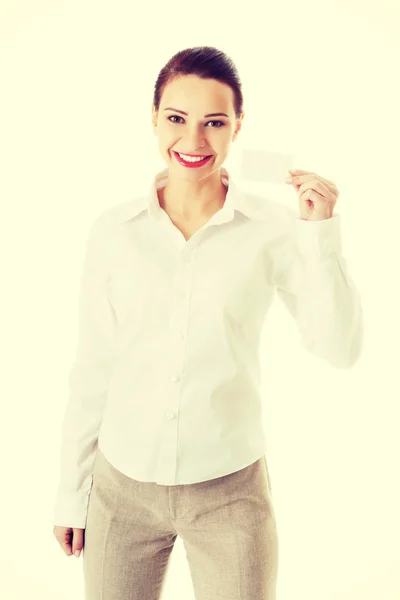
317,196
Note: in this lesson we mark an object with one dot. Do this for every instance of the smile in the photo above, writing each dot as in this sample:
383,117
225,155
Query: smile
191,162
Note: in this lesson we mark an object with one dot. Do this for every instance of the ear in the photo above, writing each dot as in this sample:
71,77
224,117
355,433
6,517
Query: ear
154,118
238,127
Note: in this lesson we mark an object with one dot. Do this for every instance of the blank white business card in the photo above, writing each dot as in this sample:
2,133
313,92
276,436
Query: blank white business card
265,166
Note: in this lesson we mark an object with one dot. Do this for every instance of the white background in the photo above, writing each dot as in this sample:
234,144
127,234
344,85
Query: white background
320,81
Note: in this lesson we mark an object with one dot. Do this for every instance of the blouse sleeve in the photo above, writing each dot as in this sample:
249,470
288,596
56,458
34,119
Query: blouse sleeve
314,284
87,383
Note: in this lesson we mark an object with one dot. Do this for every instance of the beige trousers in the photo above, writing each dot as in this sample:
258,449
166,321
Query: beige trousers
227,526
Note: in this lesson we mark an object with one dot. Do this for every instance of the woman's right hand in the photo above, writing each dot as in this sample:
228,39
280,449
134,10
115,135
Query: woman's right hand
71,539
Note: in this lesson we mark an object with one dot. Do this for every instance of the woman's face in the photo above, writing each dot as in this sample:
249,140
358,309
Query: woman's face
194,133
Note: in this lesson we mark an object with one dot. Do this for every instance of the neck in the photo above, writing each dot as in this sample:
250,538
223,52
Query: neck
190,200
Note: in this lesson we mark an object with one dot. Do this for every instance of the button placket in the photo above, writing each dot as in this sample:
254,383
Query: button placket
178,323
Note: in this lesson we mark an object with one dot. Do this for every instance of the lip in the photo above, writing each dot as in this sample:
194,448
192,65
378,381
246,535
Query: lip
194,165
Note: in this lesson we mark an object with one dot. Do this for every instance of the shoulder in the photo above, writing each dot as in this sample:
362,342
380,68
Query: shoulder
104,230
114,215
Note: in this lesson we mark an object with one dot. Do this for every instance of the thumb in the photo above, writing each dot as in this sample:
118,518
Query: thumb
77,541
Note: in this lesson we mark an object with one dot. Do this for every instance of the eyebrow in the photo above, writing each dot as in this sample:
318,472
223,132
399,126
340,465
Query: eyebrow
207,115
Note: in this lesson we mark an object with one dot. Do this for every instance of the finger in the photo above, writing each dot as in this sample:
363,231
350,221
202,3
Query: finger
317,186
315,179
64,536
77,543
311,195
66,546
299,172
66,542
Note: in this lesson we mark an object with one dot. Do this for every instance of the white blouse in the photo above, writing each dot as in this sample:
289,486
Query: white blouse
166,378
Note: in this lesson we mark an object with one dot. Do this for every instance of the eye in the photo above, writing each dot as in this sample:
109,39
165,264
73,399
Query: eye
221,124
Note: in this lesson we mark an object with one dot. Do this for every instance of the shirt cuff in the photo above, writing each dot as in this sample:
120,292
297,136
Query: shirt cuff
319,239
70,510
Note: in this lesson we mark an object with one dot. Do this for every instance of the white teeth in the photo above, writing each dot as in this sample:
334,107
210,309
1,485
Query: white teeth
191,158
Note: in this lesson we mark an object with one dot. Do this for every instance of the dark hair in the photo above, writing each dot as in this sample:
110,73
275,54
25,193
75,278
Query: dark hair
205,62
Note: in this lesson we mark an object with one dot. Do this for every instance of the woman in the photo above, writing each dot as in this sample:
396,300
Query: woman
162,434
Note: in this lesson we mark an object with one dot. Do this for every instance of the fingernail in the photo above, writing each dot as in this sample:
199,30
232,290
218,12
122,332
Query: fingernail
77,553
288,179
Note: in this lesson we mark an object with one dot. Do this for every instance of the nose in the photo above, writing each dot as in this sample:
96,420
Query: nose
195,141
